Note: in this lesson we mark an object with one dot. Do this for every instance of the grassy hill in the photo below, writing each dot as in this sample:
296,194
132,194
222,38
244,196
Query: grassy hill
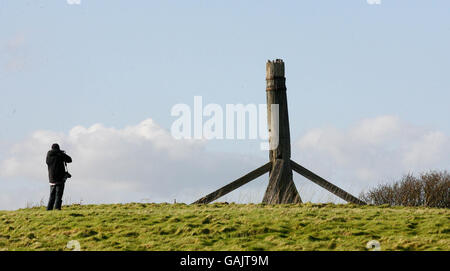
223,226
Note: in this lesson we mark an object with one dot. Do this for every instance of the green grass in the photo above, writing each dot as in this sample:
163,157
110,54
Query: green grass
221,226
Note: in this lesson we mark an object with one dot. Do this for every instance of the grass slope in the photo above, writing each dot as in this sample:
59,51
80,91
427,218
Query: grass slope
221,226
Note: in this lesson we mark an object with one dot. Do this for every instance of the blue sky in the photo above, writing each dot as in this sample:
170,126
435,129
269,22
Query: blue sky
121,62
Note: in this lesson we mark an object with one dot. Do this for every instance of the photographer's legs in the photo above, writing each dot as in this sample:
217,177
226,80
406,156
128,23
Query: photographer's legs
59,194
51,199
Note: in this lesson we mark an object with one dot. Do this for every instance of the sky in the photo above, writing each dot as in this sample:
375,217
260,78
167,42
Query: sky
368,91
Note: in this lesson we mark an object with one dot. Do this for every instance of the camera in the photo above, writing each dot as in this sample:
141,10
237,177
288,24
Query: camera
67,175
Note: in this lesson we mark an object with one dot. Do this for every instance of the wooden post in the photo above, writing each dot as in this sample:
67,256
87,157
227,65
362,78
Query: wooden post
281,188
234,185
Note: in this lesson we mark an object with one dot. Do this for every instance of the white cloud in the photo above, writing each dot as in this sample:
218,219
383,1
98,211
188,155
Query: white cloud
431,148
144,162
374,151
130,164
376,130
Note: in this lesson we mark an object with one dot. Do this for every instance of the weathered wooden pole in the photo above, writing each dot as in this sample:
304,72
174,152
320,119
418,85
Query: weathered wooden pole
281,188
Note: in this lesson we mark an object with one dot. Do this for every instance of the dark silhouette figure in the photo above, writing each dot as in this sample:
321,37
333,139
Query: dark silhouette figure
57,175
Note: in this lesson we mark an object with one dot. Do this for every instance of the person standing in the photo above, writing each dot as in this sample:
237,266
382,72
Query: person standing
57,175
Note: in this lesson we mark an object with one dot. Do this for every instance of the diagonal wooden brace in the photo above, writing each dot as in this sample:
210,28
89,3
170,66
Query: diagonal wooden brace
234,185
325,184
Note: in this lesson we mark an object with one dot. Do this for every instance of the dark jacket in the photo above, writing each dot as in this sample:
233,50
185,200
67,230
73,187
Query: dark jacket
55,162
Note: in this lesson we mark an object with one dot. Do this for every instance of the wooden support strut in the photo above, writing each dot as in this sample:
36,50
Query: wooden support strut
234,185
325,184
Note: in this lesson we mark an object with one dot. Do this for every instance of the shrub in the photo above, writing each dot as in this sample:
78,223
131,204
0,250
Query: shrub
431,189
